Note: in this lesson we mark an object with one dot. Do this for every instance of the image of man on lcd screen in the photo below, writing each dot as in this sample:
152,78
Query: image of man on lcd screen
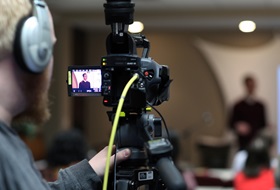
84,85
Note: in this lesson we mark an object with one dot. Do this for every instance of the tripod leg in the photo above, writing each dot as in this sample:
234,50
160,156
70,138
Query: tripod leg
122,185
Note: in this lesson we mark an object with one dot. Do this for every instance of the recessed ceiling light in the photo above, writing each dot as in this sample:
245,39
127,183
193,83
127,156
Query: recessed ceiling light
136,27
247,26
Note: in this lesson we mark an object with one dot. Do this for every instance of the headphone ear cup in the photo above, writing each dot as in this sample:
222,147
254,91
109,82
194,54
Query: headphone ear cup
33,44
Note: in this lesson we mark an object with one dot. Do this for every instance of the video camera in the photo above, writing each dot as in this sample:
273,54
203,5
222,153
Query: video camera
150,163
119,65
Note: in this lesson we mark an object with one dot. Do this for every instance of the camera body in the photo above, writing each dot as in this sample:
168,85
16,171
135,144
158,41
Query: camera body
109,79
117,69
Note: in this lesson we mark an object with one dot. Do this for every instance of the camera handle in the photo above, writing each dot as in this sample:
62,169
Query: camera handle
159,151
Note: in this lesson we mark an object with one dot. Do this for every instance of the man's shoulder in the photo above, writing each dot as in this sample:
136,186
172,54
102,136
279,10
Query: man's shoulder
240,102
10,142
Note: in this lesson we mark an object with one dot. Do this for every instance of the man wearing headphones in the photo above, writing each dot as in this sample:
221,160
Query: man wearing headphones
26,43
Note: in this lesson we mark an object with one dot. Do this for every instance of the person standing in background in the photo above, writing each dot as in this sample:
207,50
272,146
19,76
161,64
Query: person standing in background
248,115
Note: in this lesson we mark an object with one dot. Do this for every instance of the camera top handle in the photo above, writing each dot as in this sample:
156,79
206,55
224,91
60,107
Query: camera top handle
119,14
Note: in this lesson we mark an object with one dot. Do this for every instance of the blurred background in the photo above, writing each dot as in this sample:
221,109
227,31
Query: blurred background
205,50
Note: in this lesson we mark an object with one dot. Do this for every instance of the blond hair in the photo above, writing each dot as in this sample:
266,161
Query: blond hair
11,11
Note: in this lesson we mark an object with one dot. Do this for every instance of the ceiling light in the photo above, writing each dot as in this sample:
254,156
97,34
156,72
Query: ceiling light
247,26
136,27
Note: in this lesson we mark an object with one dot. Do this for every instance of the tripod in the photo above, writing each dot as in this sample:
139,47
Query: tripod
150,164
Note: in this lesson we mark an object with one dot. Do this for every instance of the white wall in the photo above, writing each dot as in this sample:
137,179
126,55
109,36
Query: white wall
231,63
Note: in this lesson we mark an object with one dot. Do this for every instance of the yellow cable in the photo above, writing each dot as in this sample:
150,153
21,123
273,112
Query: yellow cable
114,129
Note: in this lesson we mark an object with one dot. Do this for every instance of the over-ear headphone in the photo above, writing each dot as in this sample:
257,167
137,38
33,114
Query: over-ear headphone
33,44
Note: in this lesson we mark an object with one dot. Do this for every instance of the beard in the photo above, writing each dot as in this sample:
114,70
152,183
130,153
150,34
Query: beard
35,88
